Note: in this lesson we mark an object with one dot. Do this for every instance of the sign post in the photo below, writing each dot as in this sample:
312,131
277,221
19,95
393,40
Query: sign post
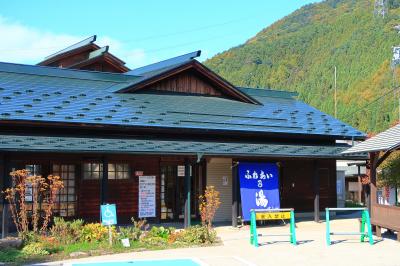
108,218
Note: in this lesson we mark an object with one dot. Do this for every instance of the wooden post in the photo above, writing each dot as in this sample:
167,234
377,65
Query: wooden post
5,177
235,195
316,193
187,214
104,182
371,192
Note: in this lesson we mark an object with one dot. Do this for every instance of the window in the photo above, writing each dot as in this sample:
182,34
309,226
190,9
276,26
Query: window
92,170
115,171
66,198
118,171
34,169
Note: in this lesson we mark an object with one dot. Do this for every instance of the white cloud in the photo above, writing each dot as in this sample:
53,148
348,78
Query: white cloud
24,44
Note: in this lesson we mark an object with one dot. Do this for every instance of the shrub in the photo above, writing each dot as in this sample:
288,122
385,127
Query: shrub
197,235
34,249
154,241
67,232
209,204
133,232
95,232
160,232
44,191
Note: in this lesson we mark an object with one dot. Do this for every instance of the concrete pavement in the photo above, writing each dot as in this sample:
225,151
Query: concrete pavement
311,250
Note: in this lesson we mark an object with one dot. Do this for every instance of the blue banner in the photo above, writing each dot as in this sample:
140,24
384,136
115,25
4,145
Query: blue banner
259,187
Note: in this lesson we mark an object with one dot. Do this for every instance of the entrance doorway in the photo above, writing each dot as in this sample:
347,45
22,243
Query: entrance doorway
173,193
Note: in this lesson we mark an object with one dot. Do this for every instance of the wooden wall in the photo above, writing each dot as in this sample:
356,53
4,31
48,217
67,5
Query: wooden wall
296,181
297,184
187,82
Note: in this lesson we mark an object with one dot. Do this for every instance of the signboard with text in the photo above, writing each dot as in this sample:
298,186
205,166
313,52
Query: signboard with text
147,196
259,187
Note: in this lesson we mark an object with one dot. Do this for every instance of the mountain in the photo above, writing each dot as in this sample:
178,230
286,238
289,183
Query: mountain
299,53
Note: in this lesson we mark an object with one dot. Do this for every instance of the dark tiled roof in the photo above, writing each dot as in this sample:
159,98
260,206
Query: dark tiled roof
57,95
122,146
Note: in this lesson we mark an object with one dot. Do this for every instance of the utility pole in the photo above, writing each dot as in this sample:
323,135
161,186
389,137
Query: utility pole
395,62
335,95
380,8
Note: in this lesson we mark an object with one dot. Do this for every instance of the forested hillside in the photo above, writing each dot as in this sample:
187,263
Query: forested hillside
299,53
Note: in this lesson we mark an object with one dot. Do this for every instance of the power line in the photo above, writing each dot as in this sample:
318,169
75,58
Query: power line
149,37
370,103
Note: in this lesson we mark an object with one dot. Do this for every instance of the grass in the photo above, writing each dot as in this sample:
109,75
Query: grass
12,256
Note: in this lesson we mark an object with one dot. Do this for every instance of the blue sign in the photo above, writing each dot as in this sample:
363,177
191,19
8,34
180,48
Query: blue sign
259,187
108,214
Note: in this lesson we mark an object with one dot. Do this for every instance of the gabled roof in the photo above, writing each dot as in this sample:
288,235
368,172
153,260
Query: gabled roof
101,53
36,94
87,43
146,70
388,140
153,73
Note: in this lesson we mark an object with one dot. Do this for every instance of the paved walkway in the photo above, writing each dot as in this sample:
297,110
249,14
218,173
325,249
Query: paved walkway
312,248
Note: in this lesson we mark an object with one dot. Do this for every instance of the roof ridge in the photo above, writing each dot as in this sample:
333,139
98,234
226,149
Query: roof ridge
268,92
164,63
81,43
64,72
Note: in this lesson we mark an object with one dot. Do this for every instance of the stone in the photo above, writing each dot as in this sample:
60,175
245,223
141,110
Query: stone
10,242
78,254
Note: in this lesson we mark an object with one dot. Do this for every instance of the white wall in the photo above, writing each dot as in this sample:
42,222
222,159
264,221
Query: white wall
217,169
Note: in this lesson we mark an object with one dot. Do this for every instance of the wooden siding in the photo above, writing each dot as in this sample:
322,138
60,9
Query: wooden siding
296,183
187,82
216,169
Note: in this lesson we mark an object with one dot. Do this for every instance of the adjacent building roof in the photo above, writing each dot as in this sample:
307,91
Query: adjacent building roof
83,55
385,141
53,95
141,146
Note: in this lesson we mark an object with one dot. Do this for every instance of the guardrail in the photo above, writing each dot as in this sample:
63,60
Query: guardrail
365,221
271,214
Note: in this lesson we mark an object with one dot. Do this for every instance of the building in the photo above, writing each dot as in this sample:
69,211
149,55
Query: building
175,120
86,55
379,148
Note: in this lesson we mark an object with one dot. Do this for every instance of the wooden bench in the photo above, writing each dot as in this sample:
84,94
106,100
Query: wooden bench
379,226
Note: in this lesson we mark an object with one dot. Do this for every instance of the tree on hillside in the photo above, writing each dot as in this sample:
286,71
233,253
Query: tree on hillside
389,176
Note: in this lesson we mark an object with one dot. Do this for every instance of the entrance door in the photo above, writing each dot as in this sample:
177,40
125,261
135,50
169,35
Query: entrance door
173,193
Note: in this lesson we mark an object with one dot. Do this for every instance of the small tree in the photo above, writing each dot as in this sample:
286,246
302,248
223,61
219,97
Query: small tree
43,194
209,204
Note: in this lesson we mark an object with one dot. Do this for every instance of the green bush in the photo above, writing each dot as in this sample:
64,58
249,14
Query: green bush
67,232
197,235
154,241
96,232
160,232
34,249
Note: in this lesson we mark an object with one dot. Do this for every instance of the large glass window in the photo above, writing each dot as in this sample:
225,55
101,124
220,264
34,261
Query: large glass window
66,198
115,171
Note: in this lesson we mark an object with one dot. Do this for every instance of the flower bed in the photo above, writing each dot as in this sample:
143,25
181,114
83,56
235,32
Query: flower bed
68,239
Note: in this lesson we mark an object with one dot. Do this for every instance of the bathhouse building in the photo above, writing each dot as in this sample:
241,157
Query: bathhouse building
152,138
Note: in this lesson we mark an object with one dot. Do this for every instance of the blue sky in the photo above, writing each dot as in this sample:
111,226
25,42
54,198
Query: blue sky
139,32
